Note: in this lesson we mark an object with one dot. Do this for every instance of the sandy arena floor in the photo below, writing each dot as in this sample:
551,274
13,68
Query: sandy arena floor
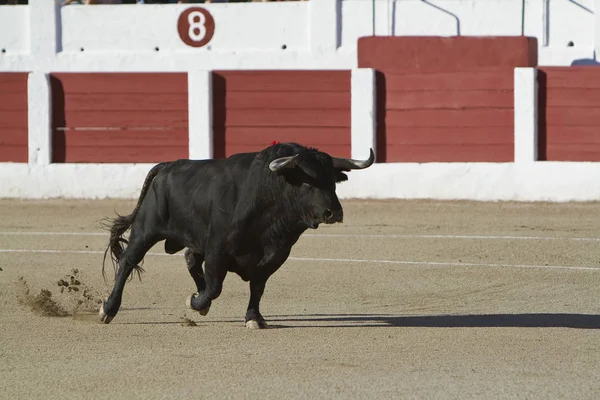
406,299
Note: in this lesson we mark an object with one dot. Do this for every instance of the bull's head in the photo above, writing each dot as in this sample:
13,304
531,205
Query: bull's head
314,175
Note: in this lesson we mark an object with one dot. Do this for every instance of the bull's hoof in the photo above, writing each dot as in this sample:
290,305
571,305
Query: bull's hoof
254,324
103,316
188,303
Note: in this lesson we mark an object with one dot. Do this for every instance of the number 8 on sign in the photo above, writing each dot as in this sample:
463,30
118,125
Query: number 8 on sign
196,26
197,22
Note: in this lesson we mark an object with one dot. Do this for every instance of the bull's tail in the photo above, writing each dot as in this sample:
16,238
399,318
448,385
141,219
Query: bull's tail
119,225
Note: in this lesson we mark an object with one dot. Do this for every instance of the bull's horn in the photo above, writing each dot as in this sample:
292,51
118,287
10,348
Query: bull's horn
348,163
281,163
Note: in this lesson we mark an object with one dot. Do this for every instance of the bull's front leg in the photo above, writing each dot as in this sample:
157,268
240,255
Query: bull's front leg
270,263
254,320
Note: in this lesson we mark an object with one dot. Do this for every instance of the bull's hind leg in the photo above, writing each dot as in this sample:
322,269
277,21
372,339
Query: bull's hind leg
194,263
214,275
131,257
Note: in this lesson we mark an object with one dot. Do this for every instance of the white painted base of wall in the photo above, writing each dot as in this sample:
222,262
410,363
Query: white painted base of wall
533,181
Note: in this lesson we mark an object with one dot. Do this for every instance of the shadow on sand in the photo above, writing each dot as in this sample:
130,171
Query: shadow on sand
539,320
579,321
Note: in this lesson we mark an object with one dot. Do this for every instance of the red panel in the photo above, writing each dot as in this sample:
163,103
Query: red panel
313,81
13,117
435,53
253,108
569,114
148,110
483,117
432,99
257,100
499,79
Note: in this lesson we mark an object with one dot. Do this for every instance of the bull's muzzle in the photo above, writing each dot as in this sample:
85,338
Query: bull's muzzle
333,216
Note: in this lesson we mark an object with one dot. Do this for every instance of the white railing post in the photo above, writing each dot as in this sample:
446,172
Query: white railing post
324,25
39,100
200,114
526,115
364,112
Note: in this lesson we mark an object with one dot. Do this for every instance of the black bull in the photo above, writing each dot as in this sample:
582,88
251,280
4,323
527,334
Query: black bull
240,214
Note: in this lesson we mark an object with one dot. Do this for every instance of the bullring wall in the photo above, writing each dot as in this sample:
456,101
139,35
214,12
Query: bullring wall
449,117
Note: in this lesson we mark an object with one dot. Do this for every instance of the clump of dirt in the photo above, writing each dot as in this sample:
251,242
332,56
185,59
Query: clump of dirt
42,303
75,298
188,322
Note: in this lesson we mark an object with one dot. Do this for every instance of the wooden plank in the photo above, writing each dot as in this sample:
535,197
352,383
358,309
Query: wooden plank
119,82
434,99
572,97
263,136
141,154
120,146
257,99
450,136
332,149
174,137
127,119
570,77
572,116
13,119
572,152
14,153
13,82
315,81
571,134
13,101
121,102
13,137
288,118
450,153
472,80
484,117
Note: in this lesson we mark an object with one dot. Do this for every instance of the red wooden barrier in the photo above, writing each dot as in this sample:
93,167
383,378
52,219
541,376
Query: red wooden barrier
119,117
445,99
253,108
13,117
569,113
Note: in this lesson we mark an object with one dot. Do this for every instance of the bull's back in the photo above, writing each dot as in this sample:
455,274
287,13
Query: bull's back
197,191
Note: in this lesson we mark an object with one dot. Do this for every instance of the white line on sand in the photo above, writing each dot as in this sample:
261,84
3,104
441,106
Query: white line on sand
357,235
341,260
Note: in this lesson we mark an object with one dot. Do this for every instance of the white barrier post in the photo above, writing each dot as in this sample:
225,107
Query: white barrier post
324,25
39,103
363,110
526,115
200,114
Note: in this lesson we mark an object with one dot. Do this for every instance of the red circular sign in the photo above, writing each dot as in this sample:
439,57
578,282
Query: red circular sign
196,26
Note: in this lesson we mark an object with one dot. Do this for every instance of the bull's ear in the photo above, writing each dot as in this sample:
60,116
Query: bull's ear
282,163
340,176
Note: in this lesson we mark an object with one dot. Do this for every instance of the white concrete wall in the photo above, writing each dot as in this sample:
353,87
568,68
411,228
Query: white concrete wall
317,34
